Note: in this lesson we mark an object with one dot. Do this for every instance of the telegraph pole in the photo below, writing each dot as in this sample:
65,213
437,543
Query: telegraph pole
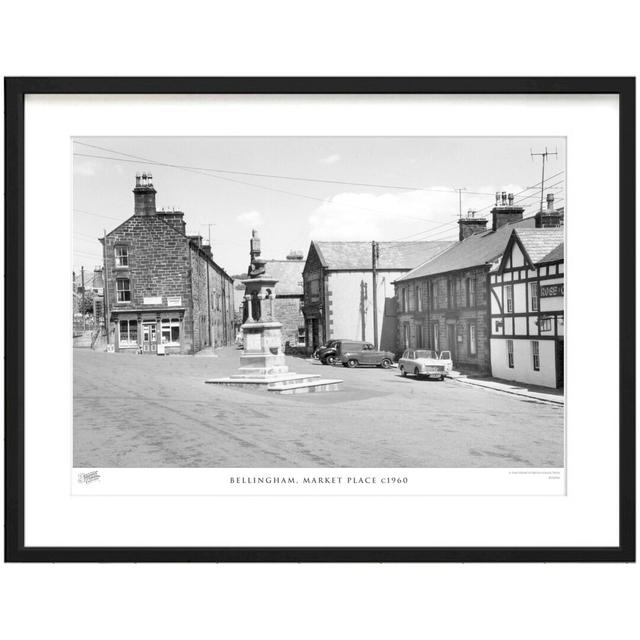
375,255
545,156
105,291
209,224
82,303
363,308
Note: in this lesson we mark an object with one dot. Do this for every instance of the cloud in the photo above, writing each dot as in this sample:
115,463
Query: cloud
251,219
332,159
410,215
84,168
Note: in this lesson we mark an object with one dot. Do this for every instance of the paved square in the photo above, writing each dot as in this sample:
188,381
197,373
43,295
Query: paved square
150,411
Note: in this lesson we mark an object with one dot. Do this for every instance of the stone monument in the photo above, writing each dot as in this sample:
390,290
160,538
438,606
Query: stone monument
262,362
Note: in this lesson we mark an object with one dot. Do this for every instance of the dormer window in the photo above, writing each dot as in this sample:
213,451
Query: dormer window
122,256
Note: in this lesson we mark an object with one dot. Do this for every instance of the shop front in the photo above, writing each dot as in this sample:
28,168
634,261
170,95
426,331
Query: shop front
149,332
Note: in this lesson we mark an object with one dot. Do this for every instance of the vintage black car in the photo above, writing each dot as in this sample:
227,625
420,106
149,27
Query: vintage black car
355,355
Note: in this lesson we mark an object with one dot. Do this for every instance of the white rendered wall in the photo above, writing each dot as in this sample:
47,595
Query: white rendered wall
523,362
344,288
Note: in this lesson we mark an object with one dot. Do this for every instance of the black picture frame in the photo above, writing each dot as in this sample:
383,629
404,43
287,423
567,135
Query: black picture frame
15,91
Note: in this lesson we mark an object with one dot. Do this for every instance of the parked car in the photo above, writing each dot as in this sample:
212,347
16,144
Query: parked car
425,362
327,353
364,353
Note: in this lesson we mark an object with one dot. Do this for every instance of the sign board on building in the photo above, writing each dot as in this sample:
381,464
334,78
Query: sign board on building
174,301
552,290
152,300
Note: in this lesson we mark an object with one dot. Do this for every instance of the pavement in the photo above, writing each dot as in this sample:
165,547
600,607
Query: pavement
541,394
151,411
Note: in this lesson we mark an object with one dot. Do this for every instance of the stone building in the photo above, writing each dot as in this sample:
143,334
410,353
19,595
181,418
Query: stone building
161,286
444,303
338,288
288,292
527,309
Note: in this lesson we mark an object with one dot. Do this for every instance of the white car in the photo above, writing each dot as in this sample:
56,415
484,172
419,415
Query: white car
425,362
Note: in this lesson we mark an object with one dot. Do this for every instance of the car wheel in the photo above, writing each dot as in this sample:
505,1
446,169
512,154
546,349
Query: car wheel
402,371
330,359
441,378
386,363
351,363
416,372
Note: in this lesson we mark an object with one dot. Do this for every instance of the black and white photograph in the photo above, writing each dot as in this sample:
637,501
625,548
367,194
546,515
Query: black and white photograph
320,302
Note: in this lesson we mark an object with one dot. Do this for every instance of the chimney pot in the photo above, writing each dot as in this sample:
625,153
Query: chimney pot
497,198
511,199
504,198
550,199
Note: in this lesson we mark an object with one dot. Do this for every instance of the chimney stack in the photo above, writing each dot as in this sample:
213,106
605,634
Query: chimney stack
549,217
505,211
295,255
144,195
471,225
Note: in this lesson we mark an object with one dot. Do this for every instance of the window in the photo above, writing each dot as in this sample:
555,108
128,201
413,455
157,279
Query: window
122,256
419,296
171,331
405,335
535,353
403,299
471,292
510,353
473,347
434,295
436,336
449,294
301,336
128,333
123,290
509,292
534,296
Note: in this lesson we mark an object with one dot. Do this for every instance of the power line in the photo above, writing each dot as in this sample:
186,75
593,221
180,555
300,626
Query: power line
259,186
269,175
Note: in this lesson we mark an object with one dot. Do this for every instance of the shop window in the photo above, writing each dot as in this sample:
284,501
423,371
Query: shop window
122,256
473,347
123,290
534,296
128,333
510,353
535,354
170,331
509,293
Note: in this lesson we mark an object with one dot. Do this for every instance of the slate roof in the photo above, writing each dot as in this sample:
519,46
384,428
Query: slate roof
288,273
554,255
476,250
542,243
392,255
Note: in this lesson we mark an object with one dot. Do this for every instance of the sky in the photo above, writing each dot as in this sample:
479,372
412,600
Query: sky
315,188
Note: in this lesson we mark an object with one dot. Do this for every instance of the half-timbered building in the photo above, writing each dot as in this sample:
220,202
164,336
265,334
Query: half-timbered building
527,308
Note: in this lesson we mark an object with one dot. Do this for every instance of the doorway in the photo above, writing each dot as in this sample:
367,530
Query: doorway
559,363
149,339
451,339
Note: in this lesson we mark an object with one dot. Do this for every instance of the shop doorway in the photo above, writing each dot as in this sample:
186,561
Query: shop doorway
149,339
559,363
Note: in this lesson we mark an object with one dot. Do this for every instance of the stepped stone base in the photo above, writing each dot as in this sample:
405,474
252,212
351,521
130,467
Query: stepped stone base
286,383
